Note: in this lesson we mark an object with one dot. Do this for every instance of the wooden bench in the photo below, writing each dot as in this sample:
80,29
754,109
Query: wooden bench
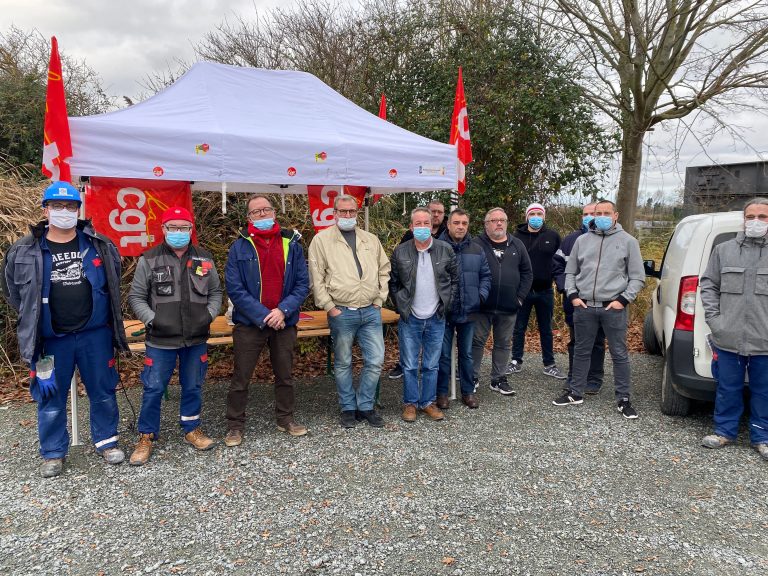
312,323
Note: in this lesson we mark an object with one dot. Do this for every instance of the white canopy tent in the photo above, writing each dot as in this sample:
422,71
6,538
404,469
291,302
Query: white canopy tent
227,128
255,130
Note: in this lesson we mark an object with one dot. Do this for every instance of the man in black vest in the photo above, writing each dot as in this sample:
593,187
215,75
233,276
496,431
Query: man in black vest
176,293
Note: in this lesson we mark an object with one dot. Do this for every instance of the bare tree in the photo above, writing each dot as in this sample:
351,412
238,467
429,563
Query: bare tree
654,60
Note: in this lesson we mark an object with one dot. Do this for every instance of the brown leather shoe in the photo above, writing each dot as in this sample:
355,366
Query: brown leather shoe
143,450
292,428
409,413
199,440
470,400
442,401
233,438
433,412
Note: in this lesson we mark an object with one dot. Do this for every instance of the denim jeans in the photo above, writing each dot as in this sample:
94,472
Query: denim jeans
729,396
544,304
423,337
502,325
158,369
92,352
587,322
464,332
365,325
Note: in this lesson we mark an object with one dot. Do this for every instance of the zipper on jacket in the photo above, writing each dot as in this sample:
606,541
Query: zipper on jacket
597,269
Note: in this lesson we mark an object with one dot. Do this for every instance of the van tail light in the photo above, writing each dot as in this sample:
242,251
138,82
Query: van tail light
686,303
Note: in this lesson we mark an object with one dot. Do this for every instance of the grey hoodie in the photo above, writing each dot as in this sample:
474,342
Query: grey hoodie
605,266
734,293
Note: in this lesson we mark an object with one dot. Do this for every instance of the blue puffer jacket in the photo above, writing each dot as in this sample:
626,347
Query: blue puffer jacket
243,278
474,278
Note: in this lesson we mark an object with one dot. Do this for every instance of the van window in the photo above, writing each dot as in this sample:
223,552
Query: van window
724,237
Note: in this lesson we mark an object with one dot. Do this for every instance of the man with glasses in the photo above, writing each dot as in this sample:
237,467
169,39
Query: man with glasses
734,293
176,293
350,272
63,279
267,282
511,279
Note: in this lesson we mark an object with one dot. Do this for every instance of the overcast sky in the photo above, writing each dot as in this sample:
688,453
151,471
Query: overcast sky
126,41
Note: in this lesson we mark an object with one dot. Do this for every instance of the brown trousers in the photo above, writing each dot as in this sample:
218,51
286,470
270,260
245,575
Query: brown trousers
248,343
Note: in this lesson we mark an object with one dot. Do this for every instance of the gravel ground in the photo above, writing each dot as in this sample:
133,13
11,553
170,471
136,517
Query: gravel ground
517,487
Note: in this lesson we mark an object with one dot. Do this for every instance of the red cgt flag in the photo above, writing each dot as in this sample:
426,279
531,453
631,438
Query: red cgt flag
57,144
460,133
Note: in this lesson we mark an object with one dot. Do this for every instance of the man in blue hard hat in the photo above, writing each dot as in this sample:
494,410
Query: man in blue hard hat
63,279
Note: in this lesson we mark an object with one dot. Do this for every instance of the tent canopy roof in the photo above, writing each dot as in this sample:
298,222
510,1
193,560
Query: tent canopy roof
257,130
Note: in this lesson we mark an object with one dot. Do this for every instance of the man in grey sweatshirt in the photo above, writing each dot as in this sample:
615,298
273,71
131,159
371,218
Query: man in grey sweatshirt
603,275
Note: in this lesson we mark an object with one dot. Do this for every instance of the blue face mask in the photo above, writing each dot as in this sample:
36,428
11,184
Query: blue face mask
346,224
603,223
585,220
535,222
422,234
264,224
177,239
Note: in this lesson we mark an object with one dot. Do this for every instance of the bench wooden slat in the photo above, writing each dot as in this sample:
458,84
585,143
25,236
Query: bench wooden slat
221,331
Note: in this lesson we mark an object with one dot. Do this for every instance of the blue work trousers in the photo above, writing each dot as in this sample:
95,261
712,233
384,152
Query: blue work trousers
92,353
158,368
729,397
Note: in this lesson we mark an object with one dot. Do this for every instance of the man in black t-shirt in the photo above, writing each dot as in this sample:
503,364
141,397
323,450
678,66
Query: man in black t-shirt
64,281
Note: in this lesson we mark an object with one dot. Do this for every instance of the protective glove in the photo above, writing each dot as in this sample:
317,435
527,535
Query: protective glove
46,376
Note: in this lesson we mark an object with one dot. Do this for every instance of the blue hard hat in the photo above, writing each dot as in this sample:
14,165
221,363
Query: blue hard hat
61,191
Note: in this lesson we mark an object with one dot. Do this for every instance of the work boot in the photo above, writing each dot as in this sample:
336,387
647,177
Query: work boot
409,413
199,440
292,429
51,467
142,451
433,412
233,438
470,400
442,401
113,455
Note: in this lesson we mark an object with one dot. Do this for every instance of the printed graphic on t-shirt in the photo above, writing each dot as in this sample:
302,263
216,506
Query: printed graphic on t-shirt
67,268
70,298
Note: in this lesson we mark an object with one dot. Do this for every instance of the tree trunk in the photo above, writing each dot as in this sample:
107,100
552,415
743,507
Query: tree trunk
629,177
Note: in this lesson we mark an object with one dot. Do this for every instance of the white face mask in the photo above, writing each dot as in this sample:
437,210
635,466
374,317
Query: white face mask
755,228
63,219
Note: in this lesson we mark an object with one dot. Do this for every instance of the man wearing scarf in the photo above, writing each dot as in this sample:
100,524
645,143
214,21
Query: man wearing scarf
267,282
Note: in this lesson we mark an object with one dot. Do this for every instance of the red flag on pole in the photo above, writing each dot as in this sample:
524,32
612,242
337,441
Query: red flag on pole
383,107
57,145
460,133
383,116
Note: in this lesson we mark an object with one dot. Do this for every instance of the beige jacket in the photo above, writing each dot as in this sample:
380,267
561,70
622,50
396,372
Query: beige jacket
333,274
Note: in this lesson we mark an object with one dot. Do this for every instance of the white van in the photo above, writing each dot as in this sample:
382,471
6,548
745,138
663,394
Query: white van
675,326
